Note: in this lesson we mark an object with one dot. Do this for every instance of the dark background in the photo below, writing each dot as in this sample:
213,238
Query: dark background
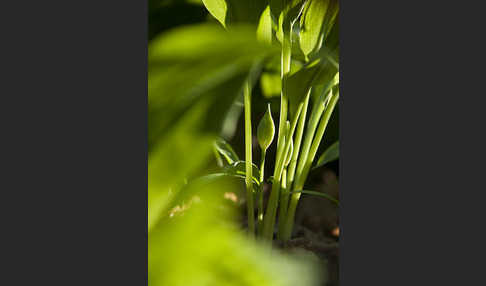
74,134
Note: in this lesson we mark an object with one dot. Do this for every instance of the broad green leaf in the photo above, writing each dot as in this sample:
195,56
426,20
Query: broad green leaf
200,244
266,130
225,149
217,8
188,62
331,154
317,19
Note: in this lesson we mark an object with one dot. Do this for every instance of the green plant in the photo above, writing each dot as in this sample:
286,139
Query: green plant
199,78
192,235
306,32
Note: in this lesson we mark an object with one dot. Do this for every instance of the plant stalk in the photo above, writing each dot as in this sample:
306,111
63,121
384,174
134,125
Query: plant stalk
284,198
308,163
298,141
271,213
248,159
260,194
269,218
284,203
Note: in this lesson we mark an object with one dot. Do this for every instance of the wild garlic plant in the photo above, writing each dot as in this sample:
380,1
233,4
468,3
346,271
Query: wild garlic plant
307,32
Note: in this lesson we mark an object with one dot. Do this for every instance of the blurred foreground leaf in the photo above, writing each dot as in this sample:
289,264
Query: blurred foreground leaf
198,245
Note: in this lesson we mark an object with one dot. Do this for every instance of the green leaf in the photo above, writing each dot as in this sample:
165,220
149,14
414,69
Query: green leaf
225,149
217,8
291,9
331,154
188,63
315,23
286,13
231,12
201,244
266,130
264,29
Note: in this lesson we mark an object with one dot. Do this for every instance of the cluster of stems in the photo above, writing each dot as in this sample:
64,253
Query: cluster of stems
290,175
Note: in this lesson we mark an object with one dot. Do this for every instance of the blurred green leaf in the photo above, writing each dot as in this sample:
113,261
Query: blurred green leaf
270,84
199,245
188,63
331,154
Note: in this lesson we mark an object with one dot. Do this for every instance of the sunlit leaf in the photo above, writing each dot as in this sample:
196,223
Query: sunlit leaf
232,12
316,21
264,29
331,154
217,8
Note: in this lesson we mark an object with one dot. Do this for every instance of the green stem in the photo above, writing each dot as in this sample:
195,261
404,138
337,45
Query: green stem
271,213
298,141
308,163
282,215
260,194
317,111
269,218
248,159
284,203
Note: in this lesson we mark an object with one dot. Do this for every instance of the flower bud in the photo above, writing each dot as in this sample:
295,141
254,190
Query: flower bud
266,130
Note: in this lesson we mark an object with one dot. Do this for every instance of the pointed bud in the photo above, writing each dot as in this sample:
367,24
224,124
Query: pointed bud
266,130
